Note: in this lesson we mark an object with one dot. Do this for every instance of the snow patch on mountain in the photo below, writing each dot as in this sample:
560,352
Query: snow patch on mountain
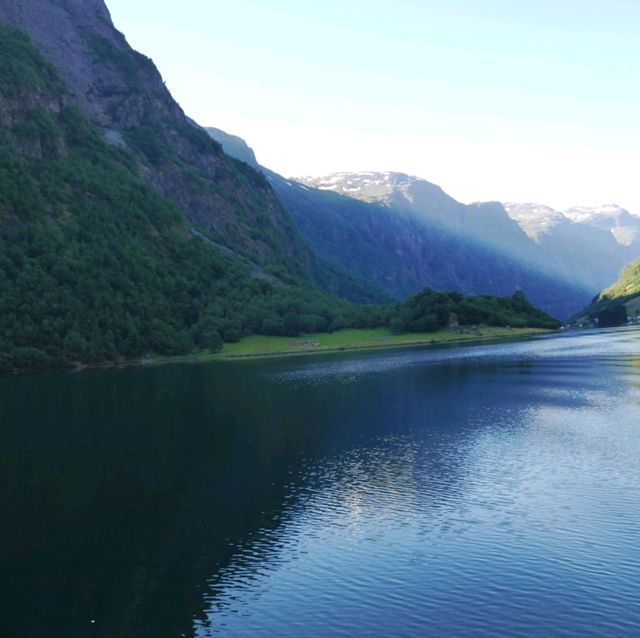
351,183
588,213
535,219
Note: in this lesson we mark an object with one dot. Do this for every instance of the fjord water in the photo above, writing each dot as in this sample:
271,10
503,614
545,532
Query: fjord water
479,491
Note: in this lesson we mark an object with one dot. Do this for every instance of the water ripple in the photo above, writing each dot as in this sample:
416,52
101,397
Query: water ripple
517,516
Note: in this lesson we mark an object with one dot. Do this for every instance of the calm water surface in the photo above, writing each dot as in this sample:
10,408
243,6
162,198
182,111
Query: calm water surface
487,491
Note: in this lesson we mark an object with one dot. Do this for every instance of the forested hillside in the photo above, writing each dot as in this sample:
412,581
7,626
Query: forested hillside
618,303
122,93
95,264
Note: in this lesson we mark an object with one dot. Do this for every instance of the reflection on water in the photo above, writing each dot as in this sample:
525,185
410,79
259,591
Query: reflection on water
454,492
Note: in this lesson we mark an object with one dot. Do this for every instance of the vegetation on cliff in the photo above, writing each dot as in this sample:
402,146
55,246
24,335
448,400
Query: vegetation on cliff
616,304
95,265
627,286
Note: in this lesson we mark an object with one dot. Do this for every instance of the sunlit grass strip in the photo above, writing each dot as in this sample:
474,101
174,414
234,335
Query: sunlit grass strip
360,339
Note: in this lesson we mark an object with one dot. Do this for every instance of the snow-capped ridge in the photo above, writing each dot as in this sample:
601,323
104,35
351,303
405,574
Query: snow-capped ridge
357,182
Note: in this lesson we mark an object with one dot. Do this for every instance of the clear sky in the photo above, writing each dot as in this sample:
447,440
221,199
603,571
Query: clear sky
511,100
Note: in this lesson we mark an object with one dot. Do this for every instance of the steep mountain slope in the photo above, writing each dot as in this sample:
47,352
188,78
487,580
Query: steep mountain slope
403,254
624,226
616,304
547,241
628,285
486,224
400,249
234,146
97,265
570,249
122,92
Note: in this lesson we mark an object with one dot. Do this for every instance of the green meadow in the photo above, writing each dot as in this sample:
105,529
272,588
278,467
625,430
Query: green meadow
359,339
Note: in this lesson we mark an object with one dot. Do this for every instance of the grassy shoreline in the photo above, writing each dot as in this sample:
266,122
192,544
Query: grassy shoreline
348,340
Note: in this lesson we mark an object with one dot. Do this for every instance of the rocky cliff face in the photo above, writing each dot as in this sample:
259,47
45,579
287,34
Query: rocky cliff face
484,224
587,247
78,37
122,91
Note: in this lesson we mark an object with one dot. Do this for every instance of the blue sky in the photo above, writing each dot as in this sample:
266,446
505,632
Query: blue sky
513,101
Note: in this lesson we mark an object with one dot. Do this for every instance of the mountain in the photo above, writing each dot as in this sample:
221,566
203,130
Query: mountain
536,220
403,192
122,93
546,240
624,226
617,304
125,229
570,249
402,233
402,253
582,248
486,224
234,146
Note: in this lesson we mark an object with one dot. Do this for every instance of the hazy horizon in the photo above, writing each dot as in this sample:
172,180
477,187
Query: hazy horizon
527,103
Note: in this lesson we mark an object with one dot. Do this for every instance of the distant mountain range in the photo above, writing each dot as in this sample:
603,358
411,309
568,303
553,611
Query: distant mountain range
586,246
624,226
416,195
402,233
